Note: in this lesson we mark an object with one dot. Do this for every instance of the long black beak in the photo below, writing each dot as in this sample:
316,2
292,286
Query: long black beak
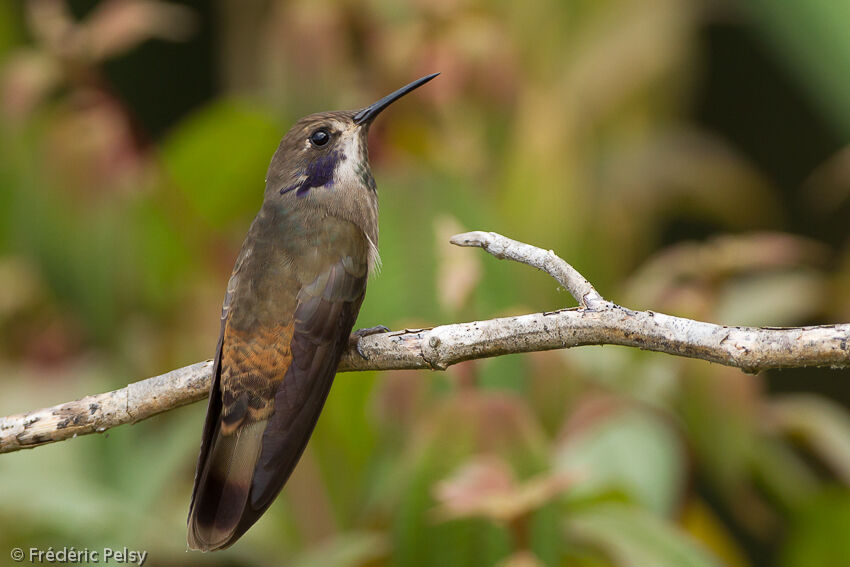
370,112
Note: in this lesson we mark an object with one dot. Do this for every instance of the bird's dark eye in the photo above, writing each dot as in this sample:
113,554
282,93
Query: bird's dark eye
320,137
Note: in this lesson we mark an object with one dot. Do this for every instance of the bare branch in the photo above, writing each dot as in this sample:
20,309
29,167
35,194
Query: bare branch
503,247
97,413
598,322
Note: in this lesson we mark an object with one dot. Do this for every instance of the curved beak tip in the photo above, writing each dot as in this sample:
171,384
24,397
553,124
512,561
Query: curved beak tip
369,113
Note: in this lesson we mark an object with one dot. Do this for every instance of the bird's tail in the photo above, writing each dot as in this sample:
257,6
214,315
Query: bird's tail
223,486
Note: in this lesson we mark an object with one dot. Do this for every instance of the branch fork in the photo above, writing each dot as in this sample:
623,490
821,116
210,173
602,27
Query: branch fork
595,322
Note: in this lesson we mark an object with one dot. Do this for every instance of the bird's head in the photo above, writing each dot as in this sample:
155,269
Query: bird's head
328,150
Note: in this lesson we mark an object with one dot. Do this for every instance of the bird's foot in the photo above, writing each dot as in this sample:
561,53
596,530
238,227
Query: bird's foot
360,333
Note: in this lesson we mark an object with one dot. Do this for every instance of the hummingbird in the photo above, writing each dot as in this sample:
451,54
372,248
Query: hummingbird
291,303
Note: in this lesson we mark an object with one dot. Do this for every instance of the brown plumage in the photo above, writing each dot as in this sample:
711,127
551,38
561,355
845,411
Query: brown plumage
290,305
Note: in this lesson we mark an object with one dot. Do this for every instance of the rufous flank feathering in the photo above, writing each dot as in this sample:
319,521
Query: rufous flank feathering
290,306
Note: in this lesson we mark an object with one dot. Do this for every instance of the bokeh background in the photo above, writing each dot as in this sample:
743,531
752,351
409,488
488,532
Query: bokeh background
689,157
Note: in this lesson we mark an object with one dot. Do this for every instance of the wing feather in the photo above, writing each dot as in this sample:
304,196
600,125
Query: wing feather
269,387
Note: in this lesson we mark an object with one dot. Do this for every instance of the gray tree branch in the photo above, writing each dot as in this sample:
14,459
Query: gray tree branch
595,322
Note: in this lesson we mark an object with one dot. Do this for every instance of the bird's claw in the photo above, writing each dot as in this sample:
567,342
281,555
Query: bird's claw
360,333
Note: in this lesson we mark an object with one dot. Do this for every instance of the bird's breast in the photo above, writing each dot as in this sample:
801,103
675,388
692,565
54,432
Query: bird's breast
287,253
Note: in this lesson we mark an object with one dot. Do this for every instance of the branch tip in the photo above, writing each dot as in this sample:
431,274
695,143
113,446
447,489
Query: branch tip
596,322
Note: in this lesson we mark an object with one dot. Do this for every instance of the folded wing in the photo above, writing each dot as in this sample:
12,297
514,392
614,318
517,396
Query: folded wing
270,383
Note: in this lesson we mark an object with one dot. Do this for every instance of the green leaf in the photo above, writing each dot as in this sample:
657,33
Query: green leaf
347,550
218,159
811,39
345,439
819,533
478,422
820,424
631,537
632,452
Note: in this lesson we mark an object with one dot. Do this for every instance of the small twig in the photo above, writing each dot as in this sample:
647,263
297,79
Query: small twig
503,247
598,322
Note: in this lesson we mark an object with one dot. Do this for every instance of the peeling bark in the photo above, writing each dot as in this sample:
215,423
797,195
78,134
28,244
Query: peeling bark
595,322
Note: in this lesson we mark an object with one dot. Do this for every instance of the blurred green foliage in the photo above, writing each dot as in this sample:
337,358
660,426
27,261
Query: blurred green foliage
567,125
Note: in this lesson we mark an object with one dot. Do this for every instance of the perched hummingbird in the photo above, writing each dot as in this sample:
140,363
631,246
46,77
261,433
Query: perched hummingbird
290,305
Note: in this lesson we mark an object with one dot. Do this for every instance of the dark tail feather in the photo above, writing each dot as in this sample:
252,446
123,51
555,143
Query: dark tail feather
224,488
